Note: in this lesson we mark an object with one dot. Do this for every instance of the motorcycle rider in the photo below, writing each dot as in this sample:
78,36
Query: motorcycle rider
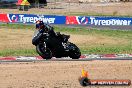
45,28
41,28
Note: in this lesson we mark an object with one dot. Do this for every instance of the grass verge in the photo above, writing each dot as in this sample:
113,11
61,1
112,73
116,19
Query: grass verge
23,52
90,41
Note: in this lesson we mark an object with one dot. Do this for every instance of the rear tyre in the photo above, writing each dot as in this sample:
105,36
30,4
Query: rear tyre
74,51
45,53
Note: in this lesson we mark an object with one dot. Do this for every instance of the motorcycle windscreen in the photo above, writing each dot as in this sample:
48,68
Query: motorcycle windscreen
35,33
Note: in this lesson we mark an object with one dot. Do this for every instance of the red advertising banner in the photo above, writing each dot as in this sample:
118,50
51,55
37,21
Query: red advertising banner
76,20
69,20
32,18
4,18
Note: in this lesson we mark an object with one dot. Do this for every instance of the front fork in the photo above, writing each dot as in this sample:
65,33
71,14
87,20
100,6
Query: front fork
44,46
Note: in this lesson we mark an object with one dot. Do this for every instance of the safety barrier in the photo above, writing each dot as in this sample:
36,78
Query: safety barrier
68,20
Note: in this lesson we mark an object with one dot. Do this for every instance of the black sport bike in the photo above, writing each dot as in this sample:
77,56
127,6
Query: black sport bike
48,46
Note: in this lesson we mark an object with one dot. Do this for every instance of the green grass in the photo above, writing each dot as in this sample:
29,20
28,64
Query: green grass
93,50
108,50
79,30
22,52
16,26
89,49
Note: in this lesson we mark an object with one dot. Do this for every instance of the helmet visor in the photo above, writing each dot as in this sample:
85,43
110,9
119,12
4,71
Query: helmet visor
37,26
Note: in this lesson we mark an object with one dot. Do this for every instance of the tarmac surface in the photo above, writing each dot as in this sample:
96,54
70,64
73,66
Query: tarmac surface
99,27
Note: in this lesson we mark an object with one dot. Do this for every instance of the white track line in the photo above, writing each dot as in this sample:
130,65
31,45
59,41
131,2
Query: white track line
59,59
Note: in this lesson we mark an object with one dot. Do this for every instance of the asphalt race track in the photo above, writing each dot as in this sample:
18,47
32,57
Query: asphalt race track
99,27
64,59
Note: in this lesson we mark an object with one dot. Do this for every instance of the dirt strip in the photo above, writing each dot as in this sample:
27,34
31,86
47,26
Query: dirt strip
61,74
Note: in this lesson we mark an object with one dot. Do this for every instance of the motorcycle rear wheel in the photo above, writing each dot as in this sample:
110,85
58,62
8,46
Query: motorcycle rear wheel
45,53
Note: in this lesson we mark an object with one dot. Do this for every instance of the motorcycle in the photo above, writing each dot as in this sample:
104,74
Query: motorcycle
48,46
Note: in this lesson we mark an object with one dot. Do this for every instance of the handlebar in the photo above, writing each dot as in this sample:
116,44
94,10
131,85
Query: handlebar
46,34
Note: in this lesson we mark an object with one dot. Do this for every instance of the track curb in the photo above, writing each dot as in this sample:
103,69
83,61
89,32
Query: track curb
83,57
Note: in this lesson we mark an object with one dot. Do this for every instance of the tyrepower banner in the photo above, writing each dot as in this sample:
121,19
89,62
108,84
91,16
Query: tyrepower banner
105,21
31,18
3,18
78,20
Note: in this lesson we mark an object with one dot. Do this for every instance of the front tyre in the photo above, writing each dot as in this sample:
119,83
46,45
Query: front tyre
45,53
74,51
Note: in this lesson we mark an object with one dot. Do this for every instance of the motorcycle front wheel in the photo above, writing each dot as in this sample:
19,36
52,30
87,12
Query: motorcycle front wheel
74,51
45,53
